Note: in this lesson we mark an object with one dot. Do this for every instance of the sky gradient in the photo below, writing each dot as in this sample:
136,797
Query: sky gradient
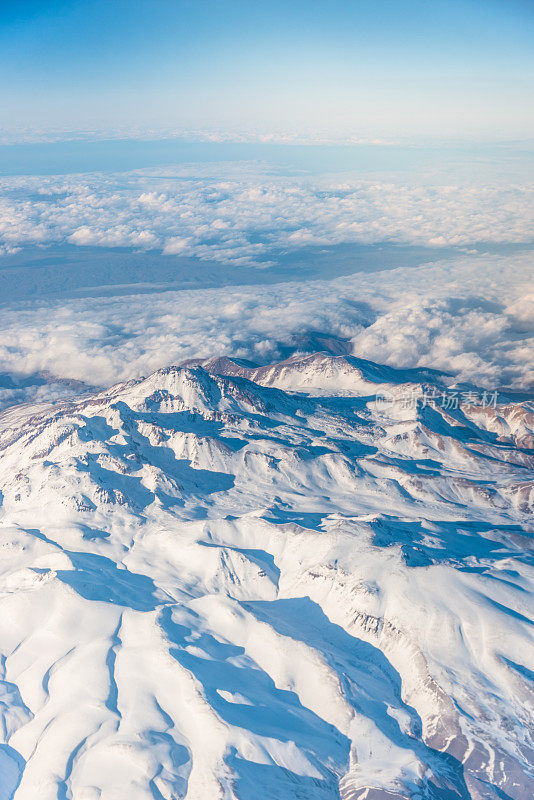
377,69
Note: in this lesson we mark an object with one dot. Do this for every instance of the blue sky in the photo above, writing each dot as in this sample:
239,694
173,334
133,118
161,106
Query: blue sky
380,69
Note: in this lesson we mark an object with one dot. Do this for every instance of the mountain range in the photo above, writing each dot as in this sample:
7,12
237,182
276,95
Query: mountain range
309,580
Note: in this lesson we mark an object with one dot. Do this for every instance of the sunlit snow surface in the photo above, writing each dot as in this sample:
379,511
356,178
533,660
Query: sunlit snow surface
228,582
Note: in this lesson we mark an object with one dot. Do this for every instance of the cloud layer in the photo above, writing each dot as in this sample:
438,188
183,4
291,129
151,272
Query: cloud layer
242,215
469,317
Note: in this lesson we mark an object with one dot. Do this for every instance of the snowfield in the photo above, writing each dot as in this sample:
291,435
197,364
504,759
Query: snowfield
227,582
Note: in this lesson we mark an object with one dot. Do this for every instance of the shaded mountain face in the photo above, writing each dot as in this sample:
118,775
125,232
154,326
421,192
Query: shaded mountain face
284,582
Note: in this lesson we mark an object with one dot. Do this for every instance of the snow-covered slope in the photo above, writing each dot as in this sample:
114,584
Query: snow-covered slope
227,582
322,373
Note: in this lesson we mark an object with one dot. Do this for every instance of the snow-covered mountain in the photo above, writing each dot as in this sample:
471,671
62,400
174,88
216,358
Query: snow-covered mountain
307,580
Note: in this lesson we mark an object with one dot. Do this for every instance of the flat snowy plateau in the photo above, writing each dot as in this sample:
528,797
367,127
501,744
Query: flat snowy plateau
226,582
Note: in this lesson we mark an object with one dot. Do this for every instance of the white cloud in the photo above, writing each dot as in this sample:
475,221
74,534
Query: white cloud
176,245
241,216
454,316
521,313
469,315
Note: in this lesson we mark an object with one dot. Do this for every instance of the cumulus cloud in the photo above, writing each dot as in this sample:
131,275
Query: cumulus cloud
457,316
244,215
521,313
470,315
